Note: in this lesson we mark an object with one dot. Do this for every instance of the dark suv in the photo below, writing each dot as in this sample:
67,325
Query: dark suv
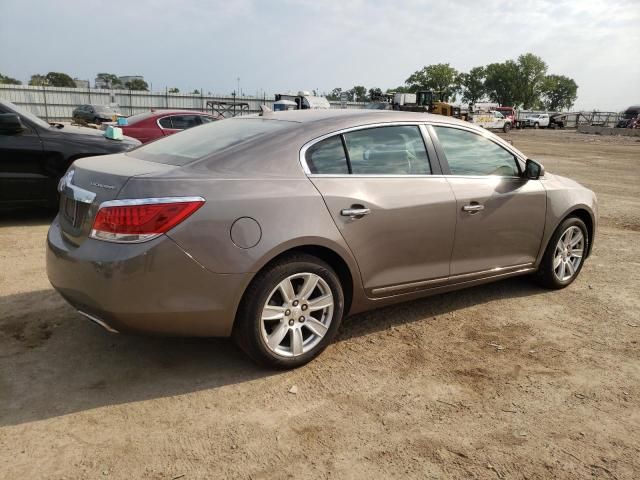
34,155
94,114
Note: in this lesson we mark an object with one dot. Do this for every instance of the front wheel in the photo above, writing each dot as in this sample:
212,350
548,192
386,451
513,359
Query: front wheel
290,312
564,256
506,127
536,125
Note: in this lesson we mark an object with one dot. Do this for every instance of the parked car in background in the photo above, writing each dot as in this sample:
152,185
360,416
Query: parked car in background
34,154
94,114
493,120
630,118
537,120
272,228
161,123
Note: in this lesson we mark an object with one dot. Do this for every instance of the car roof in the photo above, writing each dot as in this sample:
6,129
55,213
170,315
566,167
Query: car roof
174,112
357,116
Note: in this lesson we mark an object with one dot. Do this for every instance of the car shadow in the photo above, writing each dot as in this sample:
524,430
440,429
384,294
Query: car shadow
25,217
53,362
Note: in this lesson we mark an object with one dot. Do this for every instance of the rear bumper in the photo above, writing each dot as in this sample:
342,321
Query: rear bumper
151,288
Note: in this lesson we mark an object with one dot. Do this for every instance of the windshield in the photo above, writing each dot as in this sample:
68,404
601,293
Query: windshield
200,142
629,115
26,114
104,109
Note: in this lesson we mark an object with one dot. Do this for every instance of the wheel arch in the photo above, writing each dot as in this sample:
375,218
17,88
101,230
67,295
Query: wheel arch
583,213
344,268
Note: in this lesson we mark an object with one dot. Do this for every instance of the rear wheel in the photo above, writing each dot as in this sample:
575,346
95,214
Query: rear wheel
290,312
564,257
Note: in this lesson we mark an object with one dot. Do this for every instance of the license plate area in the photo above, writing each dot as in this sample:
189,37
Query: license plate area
73,211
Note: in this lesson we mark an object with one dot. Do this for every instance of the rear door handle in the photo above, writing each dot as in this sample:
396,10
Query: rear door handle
355,212
474,207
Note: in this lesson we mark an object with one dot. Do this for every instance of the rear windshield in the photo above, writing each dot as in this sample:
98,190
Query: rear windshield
203,141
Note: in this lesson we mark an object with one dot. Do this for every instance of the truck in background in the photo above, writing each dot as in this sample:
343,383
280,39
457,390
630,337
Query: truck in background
303,100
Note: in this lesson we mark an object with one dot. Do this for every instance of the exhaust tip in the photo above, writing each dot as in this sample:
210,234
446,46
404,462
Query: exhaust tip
98,321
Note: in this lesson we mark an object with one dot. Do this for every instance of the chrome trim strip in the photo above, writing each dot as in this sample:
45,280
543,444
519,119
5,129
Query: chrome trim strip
72,191
96,320
362,175
421,125
149,201
445,281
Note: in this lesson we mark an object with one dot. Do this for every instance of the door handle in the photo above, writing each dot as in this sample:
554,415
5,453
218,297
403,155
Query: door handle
354,212
473,208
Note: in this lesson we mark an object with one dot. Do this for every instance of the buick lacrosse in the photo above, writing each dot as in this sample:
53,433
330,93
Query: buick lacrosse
271,229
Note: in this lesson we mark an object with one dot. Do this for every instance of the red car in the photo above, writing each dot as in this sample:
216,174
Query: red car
160,123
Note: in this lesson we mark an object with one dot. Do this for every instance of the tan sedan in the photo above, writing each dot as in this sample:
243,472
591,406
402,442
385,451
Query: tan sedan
271,229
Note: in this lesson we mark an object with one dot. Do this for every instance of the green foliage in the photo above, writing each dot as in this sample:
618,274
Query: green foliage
195,92
38,80
558,92
8,80
111,80
137,84
521,83
335,94
59,79
357,93
501,82
531,73
472,85
440,78
174,90
375,95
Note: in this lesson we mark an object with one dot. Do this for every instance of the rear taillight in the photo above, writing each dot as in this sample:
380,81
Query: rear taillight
139,220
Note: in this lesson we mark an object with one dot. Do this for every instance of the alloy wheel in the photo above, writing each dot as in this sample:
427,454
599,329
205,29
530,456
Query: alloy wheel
568,254
297,314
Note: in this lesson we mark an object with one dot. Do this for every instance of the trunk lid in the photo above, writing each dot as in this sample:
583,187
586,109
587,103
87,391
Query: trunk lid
92,181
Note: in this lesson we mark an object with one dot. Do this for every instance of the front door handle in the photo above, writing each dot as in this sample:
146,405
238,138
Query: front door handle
473,208
354,212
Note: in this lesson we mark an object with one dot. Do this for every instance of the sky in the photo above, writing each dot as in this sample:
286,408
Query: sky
281,45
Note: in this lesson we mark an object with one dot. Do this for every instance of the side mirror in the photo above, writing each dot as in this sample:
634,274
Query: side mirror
533,170
10,124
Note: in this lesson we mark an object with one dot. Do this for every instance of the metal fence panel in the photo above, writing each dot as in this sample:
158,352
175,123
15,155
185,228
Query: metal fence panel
55,104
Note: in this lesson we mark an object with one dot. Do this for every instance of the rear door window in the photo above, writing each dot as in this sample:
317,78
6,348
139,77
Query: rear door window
393,150
182,122
165,122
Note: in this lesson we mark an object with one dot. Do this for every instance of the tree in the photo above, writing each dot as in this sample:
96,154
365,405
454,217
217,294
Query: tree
558,92
335,94
37,80
501,83
375,94
195,92
472,85
59,79
137,84
440,78
109,80
357,93
174,90
531,73
8,80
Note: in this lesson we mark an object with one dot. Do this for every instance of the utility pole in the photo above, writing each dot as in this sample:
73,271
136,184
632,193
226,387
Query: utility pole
238,90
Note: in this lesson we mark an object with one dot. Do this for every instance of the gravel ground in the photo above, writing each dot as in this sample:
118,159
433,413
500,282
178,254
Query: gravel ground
499,381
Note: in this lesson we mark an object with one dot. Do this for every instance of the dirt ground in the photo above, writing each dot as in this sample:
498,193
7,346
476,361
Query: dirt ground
500,381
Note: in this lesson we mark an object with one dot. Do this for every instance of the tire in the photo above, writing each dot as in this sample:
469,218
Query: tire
506,127
295,335
550,273
536,125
